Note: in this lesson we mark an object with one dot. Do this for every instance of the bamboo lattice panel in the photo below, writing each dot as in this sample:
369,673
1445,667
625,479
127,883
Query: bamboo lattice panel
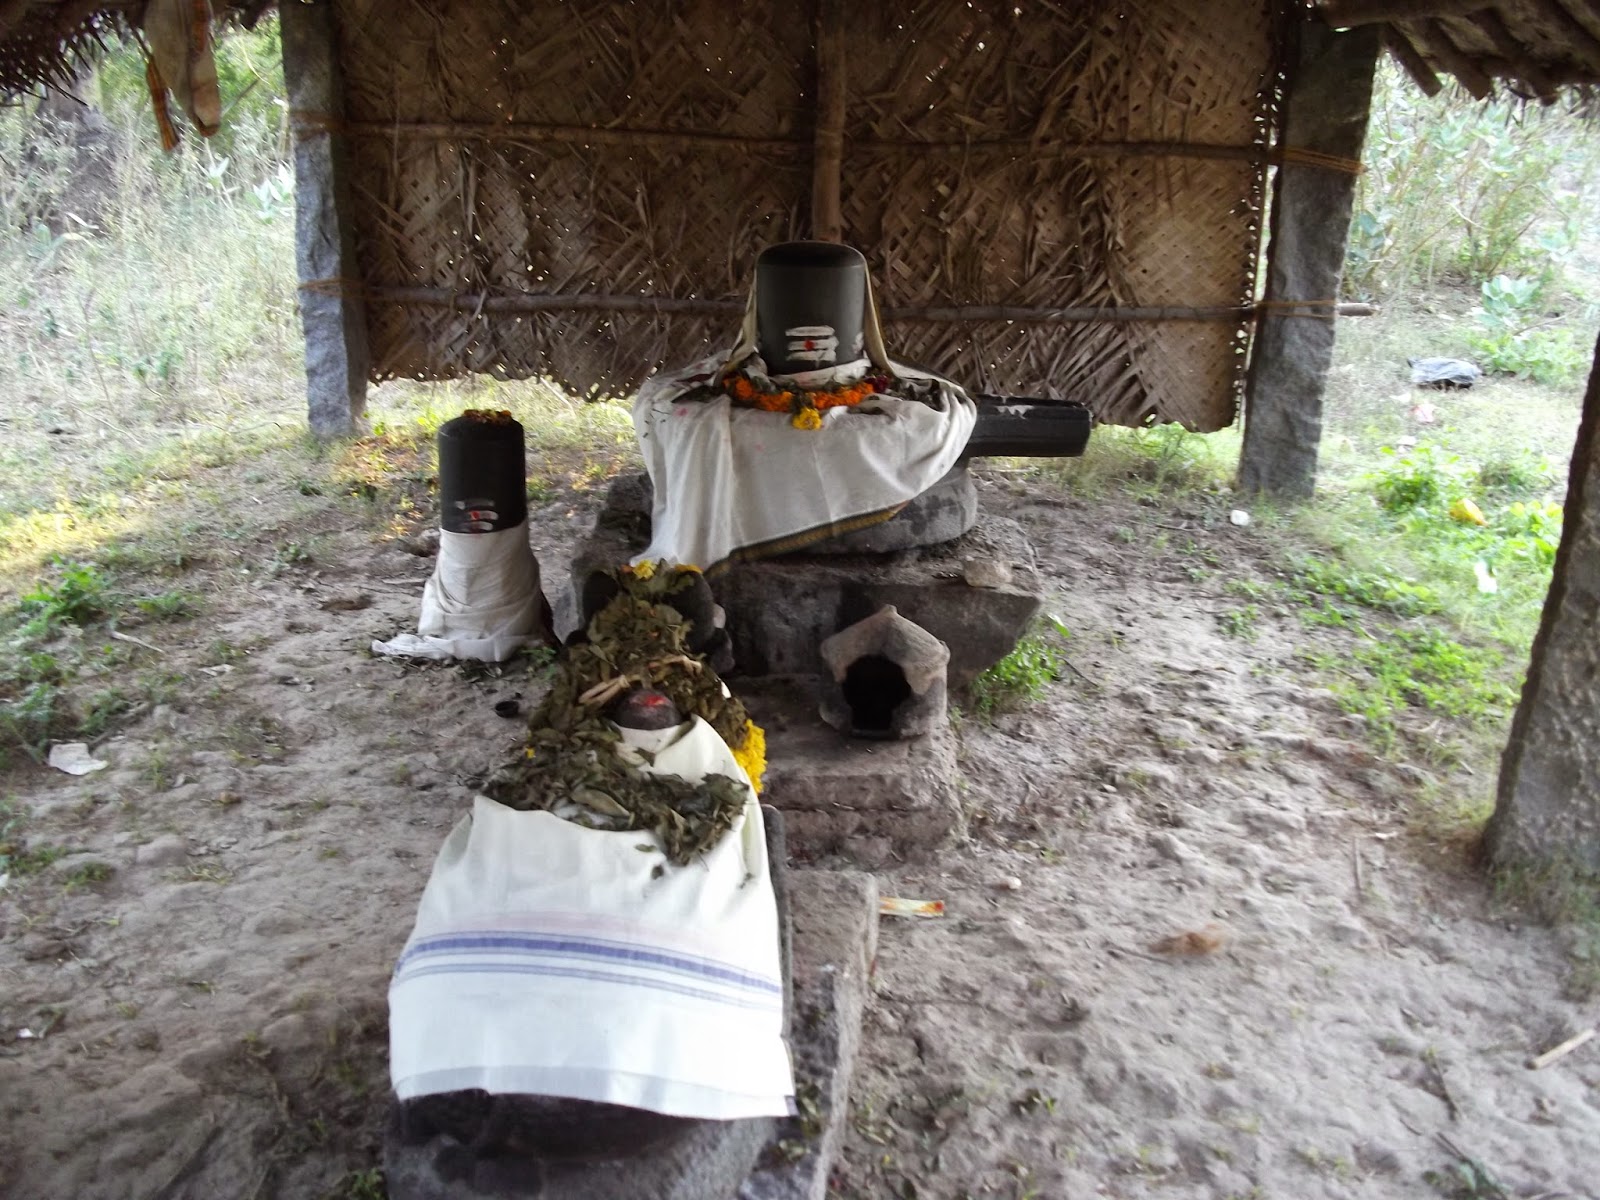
981,168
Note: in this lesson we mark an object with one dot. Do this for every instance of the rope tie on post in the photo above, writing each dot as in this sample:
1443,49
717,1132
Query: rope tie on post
338,286
1322,310
306,123
1293,156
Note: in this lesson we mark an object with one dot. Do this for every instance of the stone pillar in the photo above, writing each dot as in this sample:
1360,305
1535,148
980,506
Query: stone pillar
1326,104
332,310
1548,808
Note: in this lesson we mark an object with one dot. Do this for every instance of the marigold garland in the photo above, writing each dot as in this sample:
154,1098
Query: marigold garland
804,405
751,754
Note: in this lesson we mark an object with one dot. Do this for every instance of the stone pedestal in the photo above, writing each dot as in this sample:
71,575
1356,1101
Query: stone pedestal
873,801
780,609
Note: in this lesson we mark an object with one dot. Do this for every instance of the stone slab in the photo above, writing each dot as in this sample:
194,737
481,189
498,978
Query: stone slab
869,801
835,917
1325,113
779,610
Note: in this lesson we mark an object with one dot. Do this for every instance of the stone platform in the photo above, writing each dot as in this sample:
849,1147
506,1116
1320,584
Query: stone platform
872,801
833,919
976,592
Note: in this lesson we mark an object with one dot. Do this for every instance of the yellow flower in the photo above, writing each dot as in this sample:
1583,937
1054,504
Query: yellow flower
528,753
807,418
1467,512
751,754
644,570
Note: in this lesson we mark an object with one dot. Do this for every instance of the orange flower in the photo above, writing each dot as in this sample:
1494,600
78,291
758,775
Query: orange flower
745,392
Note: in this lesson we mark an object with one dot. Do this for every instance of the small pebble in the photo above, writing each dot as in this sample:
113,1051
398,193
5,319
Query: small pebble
1010,884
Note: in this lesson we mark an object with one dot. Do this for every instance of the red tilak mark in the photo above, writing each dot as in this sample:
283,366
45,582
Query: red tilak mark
810,345
653,699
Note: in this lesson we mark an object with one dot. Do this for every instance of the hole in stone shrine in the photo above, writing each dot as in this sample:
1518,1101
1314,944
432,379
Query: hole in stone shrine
874,686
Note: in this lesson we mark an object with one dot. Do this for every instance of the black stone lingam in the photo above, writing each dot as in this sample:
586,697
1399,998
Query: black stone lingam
810,306
483,477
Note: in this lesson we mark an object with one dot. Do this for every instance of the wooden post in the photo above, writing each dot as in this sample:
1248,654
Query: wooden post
332,310
1548,807
1328,96
827,163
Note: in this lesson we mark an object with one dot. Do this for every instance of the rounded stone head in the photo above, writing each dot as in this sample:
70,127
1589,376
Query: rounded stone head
810,305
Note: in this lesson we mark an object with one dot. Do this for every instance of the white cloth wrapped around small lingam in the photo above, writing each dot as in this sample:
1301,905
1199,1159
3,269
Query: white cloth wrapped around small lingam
733,481
551,959
481,602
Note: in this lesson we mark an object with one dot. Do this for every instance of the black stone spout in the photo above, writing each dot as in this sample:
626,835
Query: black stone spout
1029,427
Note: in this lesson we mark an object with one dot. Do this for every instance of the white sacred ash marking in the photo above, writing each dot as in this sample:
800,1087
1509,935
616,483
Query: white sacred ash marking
813,343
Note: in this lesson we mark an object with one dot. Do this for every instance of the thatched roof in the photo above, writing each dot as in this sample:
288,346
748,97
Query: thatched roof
49,43
1535,47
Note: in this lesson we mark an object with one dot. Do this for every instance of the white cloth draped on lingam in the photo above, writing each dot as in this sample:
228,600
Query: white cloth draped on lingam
551,959
482,600
731,480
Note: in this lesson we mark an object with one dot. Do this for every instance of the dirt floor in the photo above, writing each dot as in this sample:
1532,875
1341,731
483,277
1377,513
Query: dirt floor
202,1014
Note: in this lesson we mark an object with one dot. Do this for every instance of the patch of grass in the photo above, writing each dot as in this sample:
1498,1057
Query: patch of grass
1421,478
1157,460
89,875
30,860
1396,670
1021,677
76,597
168,606
1240,623
1467,1179
359,1185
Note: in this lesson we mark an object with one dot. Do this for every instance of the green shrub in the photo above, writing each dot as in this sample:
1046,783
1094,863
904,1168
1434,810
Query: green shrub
1512,336
1421,478
1020,678
77,598
1459,190
1516,474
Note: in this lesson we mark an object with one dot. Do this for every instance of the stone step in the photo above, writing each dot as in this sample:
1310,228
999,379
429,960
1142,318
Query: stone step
870,801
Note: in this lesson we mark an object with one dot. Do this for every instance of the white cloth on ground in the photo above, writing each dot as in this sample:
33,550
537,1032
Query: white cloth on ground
548,960
482,600
727,478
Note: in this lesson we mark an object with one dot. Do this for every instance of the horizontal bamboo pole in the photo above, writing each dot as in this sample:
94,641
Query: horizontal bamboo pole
587,135
532,302
668,139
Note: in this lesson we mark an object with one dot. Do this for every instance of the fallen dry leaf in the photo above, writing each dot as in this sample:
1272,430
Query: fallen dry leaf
1191,942
353,603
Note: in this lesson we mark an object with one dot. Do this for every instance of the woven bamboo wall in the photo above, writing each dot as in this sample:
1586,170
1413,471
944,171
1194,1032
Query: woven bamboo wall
1089,156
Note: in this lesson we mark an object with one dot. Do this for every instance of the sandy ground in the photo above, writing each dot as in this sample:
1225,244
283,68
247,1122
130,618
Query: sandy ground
208,1021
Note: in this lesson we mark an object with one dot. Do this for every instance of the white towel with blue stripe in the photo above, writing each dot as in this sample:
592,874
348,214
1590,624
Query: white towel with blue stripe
551,959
